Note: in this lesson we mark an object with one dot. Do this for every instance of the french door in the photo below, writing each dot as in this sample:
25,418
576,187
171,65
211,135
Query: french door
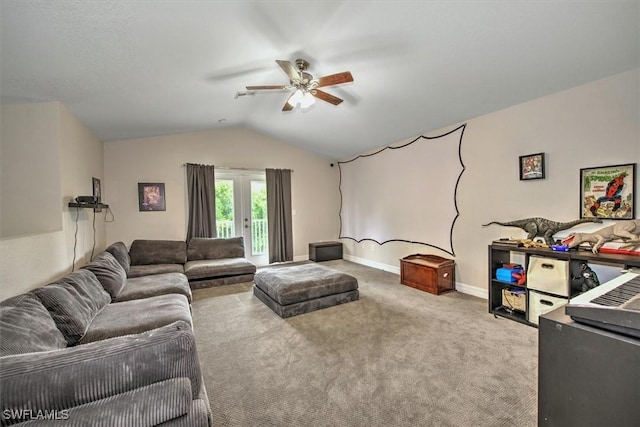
241,210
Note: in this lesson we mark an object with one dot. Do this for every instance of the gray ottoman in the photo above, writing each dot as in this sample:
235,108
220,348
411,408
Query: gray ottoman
298,289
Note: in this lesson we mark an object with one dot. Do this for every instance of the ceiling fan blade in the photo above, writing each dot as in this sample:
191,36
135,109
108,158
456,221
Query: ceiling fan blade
266,87
287,106
335,79
326,96
289,69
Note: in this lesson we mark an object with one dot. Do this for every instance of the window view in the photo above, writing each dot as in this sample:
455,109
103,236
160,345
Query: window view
225,224
240,214
259,217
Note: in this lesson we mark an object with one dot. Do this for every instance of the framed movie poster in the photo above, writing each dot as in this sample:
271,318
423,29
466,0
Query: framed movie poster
608,192
531,166
151,196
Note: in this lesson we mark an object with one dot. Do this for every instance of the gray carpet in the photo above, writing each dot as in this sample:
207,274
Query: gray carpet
397,357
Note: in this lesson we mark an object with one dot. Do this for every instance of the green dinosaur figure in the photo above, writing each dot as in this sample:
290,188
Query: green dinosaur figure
541,227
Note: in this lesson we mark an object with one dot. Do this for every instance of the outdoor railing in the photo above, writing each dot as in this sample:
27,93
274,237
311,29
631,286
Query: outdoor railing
258,234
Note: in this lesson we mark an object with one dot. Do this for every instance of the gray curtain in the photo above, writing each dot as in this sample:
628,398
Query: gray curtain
202,201
279,218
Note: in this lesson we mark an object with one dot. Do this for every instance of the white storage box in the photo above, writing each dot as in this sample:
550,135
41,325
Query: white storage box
548,275
540,304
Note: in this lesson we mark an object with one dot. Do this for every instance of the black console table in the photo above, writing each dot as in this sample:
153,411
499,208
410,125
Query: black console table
586,376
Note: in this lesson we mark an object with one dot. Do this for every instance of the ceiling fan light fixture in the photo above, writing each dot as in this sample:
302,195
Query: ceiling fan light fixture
296,98
307,100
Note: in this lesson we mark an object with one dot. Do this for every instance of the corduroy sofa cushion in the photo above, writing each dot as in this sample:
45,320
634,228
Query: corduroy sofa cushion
120,253
158,284
212,268
73,302
136,316
153,269
200,248
144,252
26,327
109,273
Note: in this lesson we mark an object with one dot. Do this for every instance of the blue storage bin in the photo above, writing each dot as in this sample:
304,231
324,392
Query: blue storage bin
506,274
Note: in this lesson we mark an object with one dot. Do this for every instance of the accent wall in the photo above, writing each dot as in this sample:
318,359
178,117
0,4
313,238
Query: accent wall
596,124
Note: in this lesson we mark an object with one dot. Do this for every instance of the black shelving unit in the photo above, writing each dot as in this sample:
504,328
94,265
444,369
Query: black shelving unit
500,253
97,207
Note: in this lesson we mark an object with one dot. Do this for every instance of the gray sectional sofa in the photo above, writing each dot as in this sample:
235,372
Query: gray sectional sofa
204,261
112,343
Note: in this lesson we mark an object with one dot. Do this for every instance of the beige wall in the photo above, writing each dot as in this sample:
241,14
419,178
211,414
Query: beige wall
33,260
591,125
31,194
315,197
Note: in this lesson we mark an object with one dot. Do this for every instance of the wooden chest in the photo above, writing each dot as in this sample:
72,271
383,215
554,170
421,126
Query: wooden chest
429,273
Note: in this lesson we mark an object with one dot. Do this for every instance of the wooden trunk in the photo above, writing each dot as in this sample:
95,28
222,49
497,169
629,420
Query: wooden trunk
429,273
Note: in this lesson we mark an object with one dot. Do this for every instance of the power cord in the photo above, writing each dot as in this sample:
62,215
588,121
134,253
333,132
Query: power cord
109,211
93,248
75,241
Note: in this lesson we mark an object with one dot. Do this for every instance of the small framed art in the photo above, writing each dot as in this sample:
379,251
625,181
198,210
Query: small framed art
151,196
97,190
531,166
608,192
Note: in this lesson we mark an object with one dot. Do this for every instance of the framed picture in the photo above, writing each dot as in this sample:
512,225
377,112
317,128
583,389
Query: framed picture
608,192
97,191
151,196
531,166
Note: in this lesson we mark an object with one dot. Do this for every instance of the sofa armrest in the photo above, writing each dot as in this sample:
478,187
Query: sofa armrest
143,407
63,379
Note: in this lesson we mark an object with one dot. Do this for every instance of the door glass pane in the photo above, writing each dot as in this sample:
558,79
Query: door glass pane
225,225
258,217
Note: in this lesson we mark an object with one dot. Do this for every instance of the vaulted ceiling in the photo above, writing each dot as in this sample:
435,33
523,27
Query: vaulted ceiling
139,68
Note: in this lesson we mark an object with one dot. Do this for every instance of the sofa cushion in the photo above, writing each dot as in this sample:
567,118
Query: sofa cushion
152,269
26,327
158,284
73,302
120,253
136,316
144,252
218,268
109,273
215,248
150,405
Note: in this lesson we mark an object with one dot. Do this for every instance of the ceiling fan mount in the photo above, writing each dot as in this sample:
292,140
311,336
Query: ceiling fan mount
304,85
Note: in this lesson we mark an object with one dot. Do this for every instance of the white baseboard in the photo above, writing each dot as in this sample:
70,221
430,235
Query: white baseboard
472,290
374,264
460,287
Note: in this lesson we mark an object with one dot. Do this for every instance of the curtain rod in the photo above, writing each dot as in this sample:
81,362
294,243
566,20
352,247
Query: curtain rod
229,168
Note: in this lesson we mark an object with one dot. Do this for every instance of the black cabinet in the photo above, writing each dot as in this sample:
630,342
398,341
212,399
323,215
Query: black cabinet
541,301
586,376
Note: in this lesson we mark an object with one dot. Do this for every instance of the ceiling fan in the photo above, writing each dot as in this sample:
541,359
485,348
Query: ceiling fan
304,85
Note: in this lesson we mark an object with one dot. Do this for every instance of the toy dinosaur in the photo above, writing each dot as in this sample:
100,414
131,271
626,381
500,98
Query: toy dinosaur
627,231
540,227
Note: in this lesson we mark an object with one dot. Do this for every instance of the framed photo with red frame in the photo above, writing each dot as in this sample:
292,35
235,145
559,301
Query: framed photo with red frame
608,192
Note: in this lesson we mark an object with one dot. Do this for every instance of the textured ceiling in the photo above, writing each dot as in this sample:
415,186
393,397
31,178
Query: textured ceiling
131,69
